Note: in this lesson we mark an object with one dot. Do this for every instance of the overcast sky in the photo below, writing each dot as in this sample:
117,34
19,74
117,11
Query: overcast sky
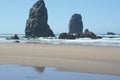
99,16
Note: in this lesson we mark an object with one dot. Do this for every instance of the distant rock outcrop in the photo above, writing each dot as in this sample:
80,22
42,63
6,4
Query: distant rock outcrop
15,37
36,25
110,33
75,24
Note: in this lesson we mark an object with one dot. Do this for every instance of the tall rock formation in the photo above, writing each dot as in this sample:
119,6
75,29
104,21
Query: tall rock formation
36,25
76,24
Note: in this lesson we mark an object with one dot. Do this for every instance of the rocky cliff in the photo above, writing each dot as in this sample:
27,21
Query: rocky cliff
36,25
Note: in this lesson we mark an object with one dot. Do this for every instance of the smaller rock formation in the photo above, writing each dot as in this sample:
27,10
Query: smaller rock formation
86,30
76,30
110,33
75,24
15,37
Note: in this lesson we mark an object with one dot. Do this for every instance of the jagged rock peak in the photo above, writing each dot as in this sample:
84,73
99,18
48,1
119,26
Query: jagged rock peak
39,2
36,25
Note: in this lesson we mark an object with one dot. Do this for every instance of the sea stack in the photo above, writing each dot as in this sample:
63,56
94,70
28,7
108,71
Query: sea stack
76,24
36,25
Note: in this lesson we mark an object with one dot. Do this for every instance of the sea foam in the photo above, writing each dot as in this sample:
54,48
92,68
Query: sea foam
107,40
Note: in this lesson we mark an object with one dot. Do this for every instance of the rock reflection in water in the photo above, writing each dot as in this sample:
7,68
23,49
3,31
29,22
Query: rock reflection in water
39,69
16,72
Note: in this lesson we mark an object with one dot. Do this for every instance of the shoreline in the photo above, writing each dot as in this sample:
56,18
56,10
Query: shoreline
15,42
89,59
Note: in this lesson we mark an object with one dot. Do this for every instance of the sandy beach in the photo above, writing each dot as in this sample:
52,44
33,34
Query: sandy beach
89,59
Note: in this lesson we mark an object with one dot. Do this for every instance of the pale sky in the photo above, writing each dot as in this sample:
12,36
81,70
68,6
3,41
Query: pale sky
99,16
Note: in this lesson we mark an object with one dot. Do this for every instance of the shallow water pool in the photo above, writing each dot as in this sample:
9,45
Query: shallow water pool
17,72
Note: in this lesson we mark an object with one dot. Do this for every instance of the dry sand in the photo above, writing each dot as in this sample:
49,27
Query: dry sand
90,59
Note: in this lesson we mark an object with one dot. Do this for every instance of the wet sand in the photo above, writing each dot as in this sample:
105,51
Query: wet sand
89,59
18,72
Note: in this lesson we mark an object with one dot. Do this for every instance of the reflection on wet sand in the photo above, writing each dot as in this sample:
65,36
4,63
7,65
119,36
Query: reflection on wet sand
17,72
39,69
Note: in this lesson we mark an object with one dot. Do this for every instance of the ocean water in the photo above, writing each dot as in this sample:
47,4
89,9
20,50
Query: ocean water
18,72
107,40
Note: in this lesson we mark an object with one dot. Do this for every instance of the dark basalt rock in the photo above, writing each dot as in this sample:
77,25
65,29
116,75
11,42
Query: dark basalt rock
15,37
75,24
63,36
16,41
66,36
86,34
110,33
36,25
